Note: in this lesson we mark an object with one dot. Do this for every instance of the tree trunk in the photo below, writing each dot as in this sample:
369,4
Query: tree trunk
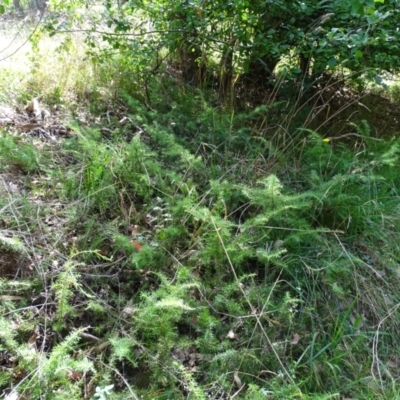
261,69
226,71
192,63
304,65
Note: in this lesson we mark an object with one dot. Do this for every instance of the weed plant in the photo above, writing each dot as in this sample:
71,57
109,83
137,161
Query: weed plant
188,253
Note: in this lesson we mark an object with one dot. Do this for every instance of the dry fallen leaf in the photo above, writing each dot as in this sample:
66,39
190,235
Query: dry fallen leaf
237,379
88,337
393,363
137,245
128,310
134,230
295,339
27,127
102,346
11,298
34,108
380,273
32,339
74,375
278,243
231,335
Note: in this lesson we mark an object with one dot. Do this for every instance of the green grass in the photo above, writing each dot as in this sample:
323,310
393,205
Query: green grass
191,251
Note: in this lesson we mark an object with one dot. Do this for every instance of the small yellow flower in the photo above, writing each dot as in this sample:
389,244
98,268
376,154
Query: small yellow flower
326,140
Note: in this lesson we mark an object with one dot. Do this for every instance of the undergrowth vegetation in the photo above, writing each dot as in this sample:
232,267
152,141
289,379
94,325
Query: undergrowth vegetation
184,249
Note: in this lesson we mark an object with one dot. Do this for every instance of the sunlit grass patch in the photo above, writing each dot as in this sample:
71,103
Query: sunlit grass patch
56,69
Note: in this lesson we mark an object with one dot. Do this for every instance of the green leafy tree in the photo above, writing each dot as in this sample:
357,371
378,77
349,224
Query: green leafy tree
225,39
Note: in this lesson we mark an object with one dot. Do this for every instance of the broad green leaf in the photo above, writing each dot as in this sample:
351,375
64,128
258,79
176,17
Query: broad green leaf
357,8
358,53
332,62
